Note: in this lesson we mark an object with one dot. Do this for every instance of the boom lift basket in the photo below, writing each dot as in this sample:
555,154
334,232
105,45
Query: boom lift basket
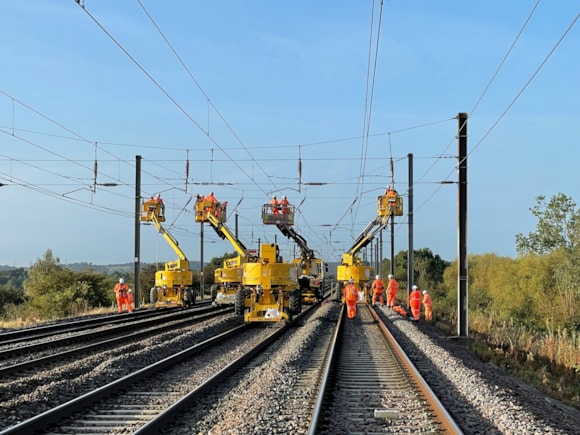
152,207
390,204
278,214
218,209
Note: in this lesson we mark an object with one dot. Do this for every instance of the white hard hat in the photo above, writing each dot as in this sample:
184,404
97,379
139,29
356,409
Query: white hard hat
424,292
129,290
351,281
283,196
415,287
273,196
378,277
391,276
121,281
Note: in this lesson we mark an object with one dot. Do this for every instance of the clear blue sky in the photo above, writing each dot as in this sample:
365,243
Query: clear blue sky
267,83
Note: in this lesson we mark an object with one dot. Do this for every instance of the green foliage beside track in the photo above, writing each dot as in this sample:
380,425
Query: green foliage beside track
55,291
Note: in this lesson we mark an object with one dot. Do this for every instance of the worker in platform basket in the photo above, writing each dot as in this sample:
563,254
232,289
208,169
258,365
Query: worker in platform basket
284,203
415,302
121,292
275,205
211,198
351,298
428,305
389,191
159,201
378,286
392,289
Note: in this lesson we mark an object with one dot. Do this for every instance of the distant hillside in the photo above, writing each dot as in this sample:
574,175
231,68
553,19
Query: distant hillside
109,269
115,268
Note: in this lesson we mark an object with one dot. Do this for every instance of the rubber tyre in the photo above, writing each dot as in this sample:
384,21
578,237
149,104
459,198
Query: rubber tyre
189,297
153,295
295,301
213,290
239,302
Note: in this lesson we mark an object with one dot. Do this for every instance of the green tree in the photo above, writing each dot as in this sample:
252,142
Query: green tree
11,288
10,296
54,291
147,279
49,287
94,289
428,268
215,263
558,226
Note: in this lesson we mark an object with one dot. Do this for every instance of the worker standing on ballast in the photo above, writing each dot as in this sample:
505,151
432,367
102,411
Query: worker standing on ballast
351,298
415,302
130,300
121,292
392,289
378,286
428,304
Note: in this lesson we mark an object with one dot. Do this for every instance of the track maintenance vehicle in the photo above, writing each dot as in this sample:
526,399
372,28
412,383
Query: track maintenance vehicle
268,287
312,269
227,279
352,267
173,285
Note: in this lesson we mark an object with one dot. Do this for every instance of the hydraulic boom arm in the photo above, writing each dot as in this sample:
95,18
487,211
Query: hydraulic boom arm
307,254
168,237
366,236
224,232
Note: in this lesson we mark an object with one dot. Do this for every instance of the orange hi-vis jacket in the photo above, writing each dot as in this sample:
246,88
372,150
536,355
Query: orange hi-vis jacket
378,286
415,299
284,203
350,293
392,286
275,206
121,290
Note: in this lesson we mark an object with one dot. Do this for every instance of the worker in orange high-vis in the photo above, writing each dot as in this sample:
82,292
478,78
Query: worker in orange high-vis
121,292
210,198
378,286
392,289
275,205
428,304
130,300
415,302
284,205
351,298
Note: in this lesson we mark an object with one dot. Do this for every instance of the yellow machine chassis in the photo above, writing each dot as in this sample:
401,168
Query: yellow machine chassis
168,291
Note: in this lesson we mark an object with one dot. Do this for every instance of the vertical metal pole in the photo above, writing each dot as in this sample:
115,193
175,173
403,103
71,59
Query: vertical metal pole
392,269
137,295
236,221
381,254
201,280
462,294
411,252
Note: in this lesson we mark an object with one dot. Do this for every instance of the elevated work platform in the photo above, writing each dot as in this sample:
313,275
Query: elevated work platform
278,214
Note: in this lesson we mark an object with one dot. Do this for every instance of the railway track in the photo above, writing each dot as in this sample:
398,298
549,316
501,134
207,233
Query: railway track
275,378
57,351
10,338
133,401
320,374
370,386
